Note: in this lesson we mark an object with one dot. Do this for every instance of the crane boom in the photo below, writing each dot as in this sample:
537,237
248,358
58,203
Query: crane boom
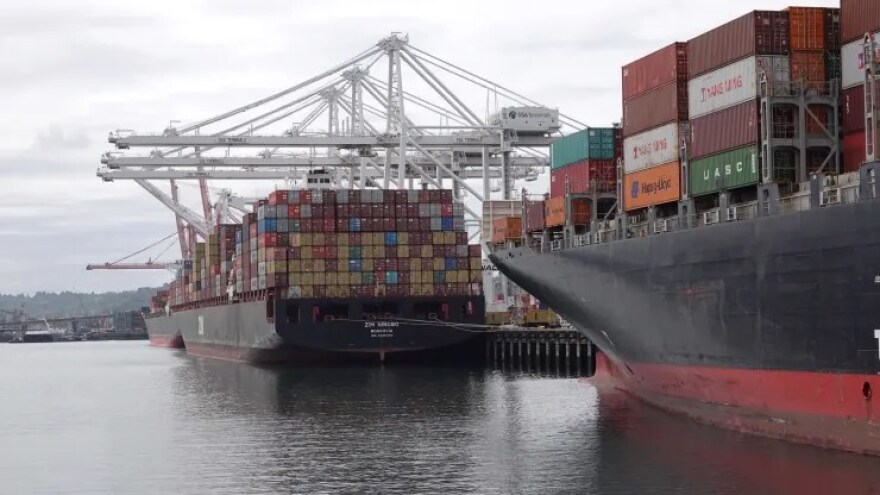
172,265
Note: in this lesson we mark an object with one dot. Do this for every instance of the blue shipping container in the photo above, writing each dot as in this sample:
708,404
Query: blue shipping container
390,238
447,223
450,263
354,224
390,277
354,265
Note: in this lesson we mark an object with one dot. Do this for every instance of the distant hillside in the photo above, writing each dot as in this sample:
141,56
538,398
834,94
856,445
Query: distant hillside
77,304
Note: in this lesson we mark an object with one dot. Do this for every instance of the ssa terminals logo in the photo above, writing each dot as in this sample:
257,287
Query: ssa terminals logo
634,190
512,114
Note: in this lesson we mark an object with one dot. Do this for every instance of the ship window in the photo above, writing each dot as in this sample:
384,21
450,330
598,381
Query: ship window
330,312
292,313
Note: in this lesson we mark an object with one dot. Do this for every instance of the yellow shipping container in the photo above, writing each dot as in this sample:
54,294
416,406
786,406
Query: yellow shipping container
306,252
294,266
320,265
448,237
369,265
463,276
320,278
295,240
427,251
318,239
439,263
476,276
342,266
415,277
308,291
403,238
379,252
306,240
415,264
355,278
378,238
342,240
308,279
476,263
293,279
451,277
437,238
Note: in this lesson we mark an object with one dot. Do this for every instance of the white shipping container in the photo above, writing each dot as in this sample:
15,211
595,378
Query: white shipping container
647,149
734,83
852,61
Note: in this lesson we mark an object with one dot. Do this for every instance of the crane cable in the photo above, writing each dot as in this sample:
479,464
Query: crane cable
144,249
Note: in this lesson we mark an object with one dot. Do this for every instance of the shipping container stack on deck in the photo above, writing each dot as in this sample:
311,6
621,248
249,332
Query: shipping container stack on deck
726,65
655,108
857,17
356,244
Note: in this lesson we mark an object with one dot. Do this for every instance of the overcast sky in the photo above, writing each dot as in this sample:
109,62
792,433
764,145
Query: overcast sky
73,71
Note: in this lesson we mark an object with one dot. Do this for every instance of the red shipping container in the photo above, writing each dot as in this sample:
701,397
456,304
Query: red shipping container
446,209
652,71
733,127
808,67
579,175
852,149
759,32
852,109
278,197
858,17
276,254
659,106
806,28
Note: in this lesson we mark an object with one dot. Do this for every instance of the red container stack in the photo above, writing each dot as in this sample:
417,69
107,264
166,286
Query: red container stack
756,33
655,110
580,176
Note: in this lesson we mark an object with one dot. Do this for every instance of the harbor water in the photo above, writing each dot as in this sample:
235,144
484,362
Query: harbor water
123,417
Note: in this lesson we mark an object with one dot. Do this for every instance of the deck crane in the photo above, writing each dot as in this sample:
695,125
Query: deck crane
379,130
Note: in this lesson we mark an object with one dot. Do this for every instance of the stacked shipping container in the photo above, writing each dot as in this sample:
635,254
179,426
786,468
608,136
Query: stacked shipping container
857,17
814,37
655,111
579,159
725,67
341,244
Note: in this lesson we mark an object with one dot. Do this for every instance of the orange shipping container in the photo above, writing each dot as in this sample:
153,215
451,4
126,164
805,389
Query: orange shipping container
806,28
653,186
554,211
506,228
808,67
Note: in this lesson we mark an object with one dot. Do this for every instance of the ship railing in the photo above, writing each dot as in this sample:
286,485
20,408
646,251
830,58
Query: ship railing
742,212
556,245
606,235
710,217
793,203
638,230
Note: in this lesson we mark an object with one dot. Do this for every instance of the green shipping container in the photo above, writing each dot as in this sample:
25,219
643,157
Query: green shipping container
726,170
594,143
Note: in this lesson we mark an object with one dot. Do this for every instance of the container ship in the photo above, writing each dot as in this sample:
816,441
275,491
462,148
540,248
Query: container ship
736,279
320,275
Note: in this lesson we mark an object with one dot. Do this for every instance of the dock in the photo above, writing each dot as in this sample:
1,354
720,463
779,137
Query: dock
557,352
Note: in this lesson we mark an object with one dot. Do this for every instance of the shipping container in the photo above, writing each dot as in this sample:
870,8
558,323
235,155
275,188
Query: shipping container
577,177
756,33
595,143
659,106
655,147
554,211
852,109
507,228
808,68
852,63
731,128
723,171
666,65
653,186
858,17
806,29
535,216
852,150
735,83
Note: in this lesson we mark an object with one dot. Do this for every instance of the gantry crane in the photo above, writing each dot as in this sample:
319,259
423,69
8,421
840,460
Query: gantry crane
377,132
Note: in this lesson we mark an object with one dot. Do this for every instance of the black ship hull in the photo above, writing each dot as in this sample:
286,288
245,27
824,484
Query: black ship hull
764,325
264,330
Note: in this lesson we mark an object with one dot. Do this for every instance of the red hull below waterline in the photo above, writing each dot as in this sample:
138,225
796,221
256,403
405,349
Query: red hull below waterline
821,409
169,341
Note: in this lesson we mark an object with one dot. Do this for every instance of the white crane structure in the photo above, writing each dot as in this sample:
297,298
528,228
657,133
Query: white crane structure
366,125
